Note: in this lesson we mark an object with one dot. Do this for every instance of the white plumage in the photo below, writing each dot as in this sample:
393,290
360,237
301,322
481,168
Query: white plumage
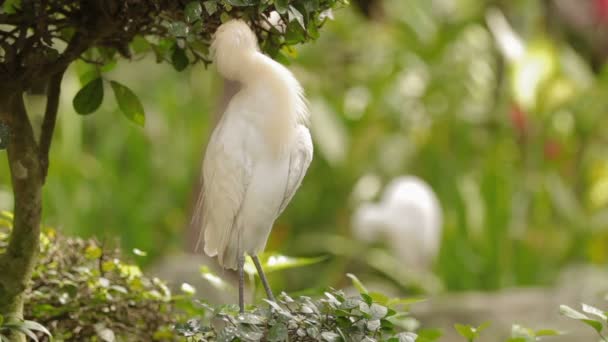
408,217
258,153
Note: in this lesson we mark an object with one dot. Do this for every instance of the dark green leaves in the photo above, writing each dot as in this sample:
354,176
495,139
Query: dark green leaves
240,3
193,11
89,98
179,60
281,6
294,14
129,103
11,6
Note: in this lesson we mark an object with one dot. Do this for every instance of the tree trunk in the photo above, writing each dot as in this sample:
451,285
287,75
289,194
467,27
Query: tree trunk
17,263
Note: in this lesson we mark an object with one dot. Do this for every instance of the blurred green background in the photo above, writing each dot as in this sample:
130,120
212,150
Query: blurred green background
506,127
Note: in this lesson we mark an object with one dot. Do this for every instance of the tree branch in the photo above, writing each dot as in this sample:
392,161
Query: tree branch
48,124
18,260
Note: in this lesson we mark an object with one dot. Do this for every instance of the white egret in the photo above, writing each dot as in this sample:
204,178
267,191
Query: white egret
408,216
257,155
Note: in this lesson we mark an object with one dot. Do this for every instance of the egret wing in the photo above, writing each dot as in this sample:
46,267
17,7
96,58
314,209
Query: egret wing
299,160
226,174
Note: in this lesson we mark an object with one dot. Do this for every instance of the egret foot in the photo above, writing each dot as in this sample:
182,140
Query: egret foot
241,264
258,266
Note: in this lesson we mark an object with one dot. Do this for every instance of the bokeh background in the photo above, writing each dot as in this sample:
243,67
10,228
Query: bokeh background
499,106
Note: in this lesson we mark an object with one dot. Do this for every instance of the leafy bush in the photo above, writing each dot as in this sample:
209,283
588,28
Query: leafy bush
81,290
334,317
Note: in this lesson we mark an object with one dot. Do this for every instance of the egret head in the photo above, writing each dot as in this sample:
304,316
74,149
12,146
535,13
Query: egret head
233,45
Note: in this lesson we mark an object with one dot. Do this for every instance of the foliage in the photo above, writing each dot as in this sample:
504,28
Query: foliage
591,316
81,289
334,317
29,328
177,32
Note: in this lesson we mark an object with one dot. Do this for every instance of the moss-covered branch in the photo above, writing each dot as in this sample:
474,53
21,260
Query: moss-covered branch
17,262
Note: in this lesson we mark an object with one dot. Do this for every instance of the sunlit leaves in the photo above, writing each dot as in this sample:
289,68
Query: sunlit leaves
210,6
520,333
357,283
597,325
129,103
469,332
89,98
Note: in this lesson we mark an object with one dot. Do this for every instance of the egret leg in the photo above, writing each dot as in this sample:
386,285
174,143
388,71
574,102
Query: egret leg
258,266
241,264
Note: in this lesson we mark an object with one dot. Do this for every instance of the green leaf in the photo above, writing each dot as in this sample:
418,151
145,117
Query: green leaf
330,336
378,311
129,103
597,325
239,3
466,331
35,326
430,334
179,60
92,252
210,7
281,6
224,17
178,29
193,11
547,332
357,283
277,333
89,98
139,44
11,6
379,297
294,14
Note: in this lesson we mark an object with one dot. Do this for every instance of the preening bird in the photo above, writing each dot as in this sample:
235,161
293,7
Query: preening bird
408,217
257,155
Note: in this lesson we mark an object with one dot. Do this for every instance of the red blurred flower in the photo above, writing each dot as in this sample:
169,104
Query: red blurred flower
552,149
518,119
601,10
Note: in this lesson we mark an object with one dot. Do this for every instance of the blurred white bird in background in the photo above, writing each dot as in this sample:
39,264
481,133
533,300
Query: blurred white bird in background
408,218
257,156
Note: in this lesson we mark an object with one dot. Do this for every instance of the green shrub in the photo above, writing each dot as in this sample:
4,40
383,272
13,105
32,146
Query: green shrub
334,317
82,291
